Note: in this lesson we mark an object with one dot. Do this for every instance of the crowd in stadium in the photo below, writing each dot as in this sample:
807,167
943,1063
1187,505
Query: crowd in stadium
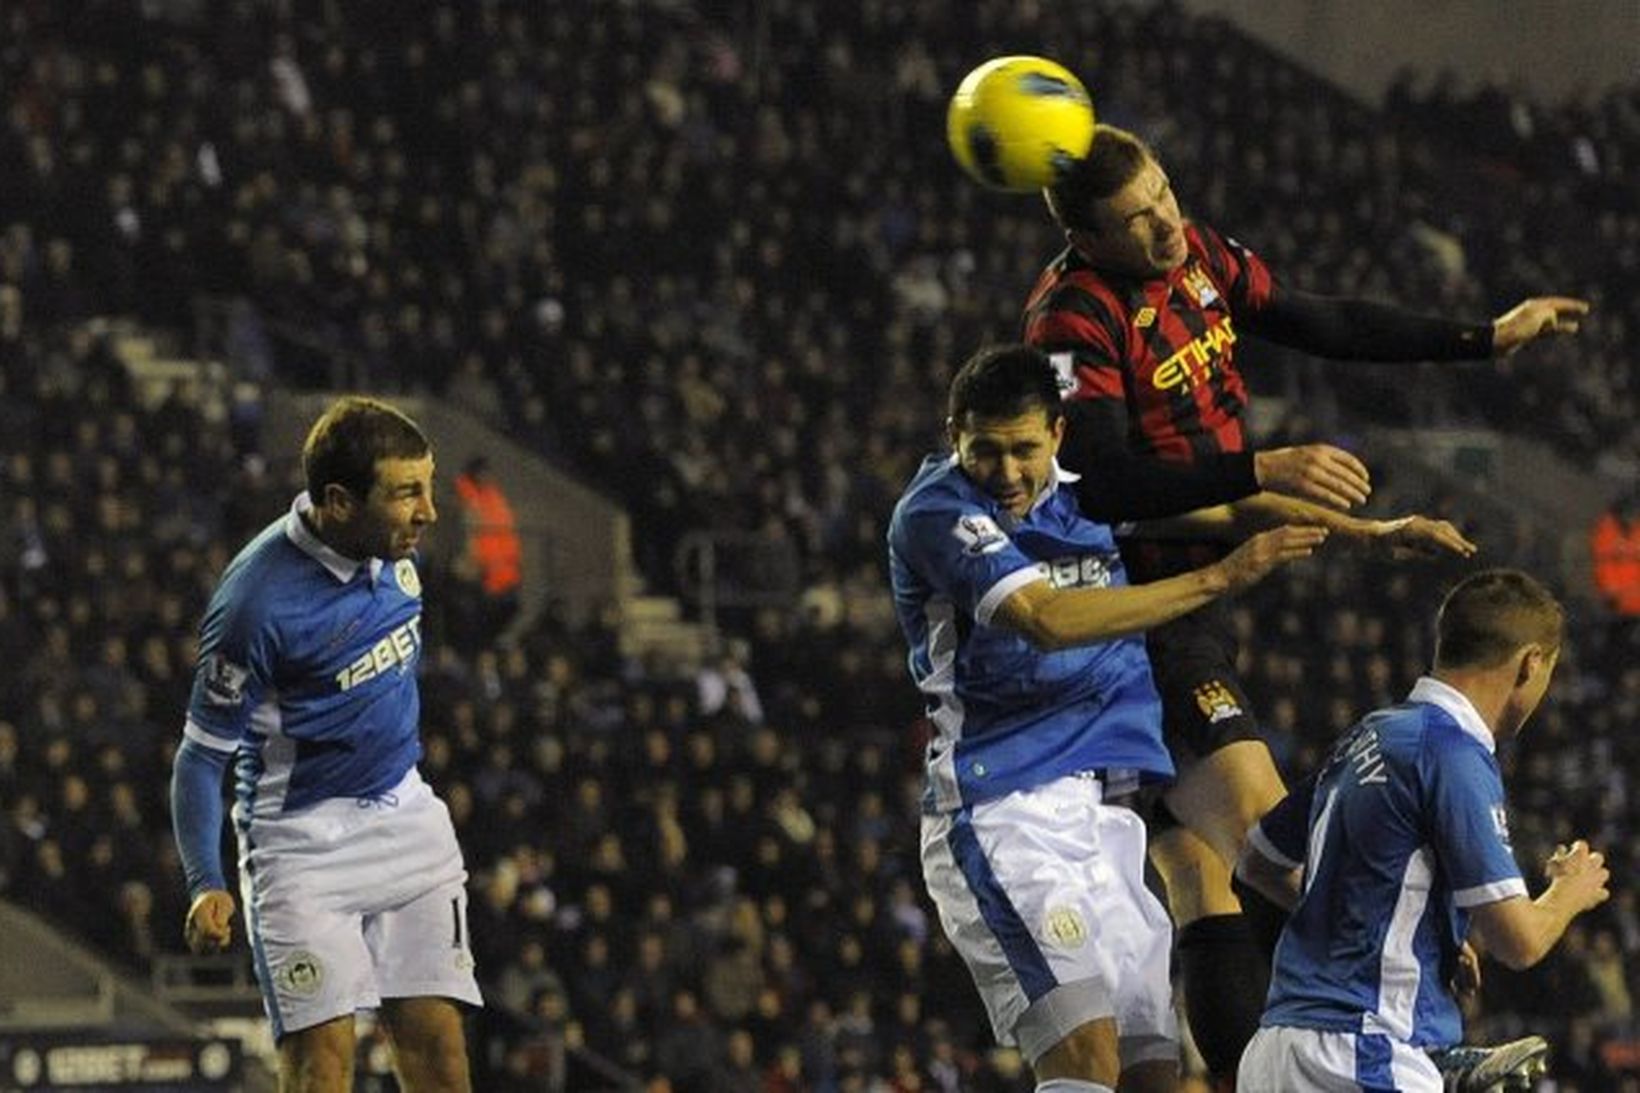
723,272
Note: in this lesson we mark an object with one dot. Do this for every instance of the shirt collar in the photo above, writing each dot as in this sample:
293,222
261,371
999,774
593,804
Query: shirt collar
341,567
1057,476
1455,702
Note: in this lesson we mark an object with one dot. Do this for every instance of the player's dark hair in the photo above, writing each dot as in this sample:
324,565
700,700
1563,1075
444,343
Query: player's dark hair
1488,616
350,437
1004,381
1114,159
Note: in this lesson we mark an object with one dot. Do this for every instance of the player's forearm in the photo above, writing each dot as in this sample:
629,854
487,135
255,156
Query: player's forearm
1527,935
1117,486
1267,510
1116,490
1351,329
1080,616
196,814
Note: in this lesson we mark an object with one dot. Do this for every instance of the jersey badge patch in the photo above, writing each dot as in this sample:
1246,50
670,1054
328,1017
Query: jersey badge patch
404,572
1500,823
1065,928
1200,288
224,681
1064,372
1216,702
979,534
301,974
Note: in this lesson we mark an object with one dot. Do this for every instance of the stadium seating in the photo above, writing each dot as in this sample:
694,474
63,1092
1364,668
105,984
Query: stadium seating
721,270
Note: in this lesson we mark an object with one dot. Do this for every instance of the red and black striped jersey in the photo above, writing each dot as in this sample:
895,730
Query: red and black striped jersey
1162,348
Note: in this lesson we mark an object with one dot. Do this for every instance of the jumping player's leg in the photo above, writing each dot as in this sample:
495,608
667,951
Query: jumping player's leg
1223,794
1042,894
424,967
429,1046
1088,1054
1227,782
318,1059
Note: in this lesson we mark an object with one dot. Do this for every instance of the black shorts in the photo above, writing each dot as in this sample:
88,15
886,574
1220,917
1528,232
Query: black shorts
1204,706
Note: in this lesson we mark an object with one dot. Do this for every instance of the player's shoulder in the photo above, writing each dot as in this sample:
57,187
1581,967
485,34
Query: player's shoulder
941,501
259,580
1072,283
1430,735
938,486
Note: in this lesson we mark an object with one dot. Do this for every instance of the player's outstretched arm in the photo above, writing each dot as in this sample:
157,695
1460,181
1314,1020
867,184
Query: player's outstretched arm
1053,618
1400,538
1520,931
1538,317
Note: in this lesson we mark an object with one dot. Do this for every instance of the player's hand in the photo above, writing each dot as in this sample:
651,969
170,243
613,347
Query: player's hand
210,922
1539,317
1315,472
1580,873
1258,557
1420,537
1466,982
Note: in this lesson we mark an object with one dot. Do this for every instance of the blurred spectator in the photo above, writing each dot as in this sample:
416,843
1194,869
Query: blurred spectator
1614,545
493,550
714,272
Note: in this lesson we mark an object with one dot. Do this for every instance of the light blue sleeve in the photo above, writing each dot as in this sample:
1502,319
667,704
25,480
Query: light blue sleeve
196,814
1469,822
965,555
236,660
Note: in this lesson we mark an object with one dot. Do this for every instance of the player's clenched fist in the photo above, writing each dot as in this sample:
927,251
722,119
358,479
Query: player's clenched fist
210,922
1580,872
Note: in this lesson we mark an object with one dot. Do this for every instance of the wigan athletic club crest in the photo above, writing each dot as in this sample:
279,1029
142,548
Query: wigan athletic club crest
404,571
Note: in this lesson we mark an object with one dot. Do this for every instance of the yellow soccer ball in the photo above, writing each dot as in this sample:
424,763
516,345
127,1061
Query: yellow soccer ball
1019,123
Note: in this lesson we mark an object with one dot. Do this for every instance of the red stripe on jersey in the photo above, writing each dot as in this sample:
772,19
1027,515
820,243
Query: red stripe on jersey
1165,345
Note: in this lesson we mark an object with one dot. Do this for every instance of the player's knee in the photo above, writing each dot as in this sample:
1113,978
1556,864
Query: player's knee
1150,1077
318,1060
438,1068
431,1054
1088,1053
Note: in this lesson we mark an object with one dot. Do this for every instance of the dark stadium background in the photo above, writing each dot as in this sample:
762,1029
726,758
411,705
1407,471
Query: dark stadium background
712,262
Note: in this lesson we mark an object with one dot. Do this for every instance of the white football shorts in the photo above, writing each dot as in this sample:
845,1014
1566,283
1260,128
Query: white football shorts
1281,1059
355,900
1043,894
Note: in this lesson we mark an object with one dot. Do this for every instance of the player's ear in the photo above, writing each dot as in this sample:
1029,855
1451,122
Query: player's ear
338,499
1532,661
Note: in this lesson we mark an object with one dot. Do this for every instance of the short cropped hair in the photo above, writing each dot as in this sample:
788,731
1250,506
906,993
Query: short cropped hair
350,437
1003,381
1114,159
1490,615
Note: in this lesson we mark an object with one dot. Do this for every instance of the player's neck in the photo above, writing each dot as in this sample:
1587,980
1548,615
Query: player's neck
326,531
1488,690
